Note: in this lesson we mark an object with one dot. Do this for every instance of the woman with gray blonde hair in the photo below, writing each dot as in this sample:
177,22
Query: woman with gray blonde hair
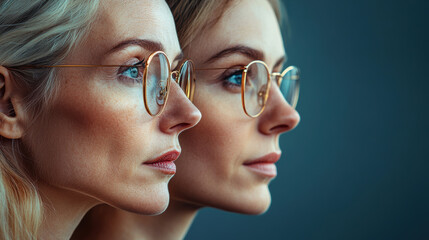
247,99
84,117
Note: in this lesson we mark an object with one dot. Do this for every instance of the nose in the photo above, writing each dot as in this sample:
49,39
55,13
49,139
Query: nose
278,116
179,113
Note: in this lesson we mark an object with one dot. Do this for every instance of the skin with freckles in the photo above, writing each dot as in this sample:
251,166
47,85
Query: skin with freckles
91,143
212,169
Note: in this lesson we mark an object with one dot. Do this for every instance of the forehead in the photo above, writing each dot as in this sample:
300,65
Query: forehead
119,20
247,22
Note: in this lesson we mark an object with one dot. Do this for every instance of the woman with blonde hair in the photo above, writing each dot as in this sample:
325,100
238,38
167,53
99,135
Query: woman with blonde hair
247,99
84,116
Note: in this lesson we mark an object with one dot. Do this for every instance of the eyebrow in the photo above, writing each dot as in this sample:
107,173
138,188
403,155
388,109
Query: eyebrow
246,51
280,62
179,57
144,43
240,49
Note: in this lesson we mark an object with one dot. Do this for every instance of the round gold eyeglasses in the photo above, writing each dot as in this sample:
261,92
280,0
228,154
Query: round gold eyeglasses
156,75
185,77
256,82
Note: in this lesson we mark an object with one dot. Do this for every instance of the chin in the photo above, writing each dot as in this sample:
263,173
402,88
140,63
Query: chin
254,201
251,202
149,202
252,206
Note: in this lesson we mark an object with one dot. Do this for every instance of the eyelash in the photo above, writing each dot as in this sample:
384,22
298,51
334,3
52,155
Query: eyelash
227,76
140,68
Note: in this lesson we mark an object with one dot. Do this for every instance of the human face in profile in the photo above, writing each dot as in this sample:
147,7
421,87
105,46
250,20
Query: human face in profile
229,158
96,142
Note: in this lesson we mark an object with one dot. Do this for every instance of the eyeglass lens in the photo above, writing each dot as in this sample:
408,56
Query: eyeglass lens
290,85
255,89
157,82
186,78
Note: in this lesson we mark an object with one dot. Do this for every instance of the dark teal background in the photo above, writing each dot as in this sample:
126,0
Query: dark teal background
357,165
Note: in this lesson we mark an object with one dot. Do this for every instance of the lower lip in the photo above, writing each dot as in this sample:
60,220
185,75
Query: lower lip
264,169
166,167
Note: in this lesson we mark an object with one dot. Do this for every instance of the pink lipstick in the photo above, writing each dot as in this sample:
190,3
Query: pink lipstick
265,165
165,162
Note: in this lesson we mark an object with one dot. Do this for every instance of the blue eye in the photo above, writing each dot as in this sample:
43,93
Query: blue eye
234,79
131,72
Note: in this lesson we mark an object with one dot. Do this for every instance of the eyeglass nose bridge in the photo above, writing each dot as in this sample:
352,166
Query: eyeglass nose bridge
175,76
278,77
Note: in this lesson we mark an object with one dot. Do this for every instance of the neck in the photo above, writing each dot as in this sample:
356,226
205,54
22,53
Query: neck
104,222
174,223
63,211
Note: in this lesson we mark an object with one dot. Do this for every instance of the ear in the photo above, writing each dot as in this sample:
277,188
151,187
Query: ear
11,107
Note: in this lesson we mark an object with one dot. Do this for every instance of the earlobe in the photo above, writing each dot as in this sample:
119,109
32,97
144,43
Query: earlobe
11,116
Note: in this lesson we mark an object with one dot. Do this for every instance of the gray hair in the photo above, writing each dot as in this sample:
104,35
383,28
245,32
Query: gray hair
33,32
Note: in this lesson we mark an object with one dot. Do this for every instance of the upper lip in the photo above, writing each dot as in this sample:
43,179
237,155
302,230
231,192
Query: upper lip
269,158
168,156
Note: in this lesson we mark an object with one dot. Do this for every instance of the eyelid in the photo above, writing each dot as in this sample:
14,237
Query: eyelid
229,72
142,62
124,68
233,70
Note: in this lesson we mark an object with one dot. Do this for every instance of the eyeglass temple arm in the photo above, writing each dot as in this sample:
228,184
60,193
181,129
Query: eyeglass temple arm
66,66
205,69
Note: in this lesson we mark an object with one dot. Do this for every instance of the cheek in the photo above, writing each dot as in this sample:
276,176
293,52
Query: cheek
218,141
210,170
89,135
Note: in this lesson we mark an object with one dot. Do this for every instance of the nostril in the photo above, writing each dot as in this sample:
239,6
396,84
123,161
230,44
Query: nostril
181,126
279,128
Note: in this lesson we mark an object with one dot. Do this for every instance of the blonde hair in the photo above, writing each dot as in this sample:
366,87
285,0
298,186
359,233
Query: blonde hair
192,17
33,32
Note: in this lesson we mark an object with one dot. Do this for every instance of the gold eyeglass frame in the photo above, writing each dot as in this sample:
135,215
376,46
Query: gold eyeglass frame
163,91
277,75
280,76
146,63
190,86
243,88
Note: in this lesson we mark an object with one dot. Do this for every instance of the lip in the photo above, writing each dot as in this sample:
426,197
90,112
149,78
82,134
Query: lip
165,162
264,165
